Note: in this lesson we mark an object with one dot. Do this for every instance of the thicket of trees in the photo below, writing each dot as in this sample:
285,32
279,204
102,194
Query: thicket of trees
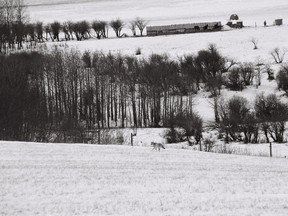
184,126
63,89
241,121
44,91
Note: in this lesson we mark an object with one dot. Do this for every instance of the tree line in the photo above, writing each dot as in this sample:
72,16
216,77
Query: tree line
64,89
237,120
16,30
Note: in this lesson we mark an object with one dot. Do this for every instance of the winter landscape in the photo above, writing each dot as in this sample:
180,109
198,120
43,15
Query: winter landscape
80,106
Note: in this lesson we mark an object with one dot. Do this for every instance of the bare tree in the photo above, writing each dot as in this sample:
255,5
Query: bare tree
211,65
278,55
117,25
255,42
85,29
247,72
21,14
18,32
65,29
20,19
104,29
8,11
132,26
30,29
8,18
81,30
48,31
55,28
13,16
39,31
273,115
69,28
100,28
235,80
141,24
234,114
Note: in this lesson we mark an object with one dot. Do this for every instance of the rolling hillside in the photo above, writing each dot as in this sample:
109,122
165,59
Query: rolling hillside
158,12
49,179
61,179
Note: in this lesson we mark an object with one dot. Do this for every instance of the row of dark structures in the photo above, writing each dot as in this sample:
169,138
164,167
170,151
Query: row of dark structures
183,28
193,27
233,22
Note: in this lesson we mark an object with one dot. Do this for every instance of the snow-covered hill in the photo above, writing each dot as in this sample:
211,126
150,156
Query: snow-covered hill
61,179
49,179
236,44
159,12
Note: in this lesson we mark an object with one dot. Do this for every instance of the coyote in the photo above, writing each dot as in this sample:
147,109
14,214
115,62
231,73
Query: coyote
157,146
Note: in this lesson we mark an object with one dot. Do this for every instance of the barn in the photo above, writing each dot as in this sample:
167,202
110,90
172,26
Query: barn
183,28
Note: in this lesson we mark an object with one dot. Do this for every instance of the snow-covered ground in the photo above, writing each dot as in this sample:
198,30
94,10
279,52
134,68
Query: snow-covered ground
262,150
169,12
235,44
145,136
63,179
160,11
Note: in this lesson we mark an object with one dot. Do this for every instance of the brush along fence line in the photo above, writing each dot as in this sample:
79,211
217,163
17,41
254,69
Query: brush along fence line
183,28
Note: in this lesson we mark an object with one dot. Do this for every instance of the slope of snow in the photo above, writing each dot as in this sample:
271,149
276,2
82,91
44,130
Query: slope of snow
234,44
49,179
60,179
159,12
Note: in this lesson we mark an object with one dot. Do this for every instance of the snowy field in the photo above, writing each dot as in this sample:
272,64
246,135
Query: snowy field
158,12
235,44
62,179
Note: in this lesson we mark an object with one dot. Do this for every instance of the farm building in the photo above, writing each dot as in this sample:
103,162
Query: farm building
278,22
183,28
234,21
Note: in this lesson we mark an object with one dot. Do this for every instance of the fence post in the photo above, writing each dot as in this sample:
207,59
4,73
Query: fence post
270,149
99,139
134,133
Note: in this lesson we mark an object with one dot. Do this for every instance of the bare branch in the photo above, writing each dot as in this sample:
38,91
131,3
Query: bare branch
278,56
255,43
141,24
